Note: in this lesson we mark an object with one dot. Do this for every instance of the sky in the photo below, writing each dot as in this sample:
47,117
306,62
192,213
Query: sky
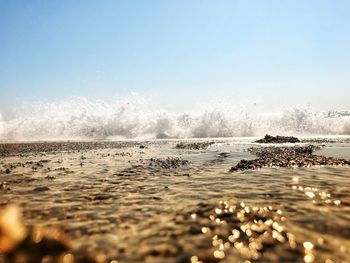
279,53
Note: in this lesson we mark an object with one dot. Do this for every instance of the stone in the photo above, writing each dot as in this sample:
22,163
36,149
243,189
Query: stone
41,189
194,146
278,139
297,156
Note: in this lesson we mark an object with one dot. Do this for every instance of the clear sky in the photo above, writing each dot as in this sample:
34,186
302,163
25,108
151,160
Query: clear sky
280,52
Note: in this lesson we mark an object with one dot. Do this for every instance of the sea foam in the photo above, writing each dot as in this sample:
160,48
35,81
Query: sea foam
80,119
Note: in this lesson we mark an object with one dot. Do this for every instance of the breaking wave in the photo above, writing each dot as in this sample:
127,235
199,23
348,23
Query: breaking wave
80,118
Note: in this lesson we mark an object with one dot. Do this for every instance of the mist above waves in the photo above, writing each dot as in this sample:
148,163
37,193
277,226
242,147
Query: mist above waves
80,118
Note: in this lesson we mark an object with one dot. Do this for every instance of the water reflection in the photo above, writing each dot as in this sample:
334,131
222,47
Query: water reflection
118,205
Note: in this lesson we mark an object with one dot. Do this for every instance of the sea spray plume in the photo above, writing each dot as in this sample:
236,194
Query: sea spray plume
166,126
303,121
136,118
218,124
79,118
212,124
1,126
299,120
346,129
76,118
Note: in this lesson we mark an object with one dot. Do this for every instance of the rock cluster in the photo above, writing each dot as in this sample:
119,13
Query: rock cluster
297,156
168,163
278,139
194,146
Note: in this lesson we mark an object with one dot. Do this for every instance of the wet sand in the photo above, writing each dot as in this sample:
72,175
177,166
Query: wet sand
155,202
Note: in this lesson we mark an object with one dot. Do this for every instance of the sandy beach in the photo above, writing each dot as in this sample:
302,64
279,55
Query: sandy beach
151,201
175,131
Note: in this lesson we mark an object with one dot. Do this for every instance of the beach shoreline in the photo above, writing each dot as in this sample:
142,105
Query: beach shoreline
150,201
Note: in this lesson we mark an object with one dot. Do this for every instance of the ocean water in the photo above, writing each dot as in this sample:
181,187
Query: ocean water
135,118
116,202
112,200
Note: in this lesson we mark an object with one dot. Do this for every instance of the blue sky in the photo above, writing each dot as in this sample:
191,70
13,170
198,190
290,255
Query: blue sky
278,52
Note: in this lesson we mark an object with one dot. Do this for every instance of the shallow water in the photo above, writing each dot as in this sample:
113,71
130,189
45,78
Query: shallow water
112,201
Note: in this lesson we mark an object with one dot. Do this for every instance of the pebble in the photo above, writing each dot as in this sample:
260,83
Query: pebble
41,189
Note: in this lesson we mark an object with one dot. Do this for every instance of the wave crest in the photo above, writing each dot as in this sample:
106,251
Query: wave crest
79,118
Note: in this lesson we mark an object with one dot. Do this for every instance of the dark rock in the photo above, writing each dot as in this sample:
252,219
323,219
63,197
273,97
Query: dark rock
297,156
168,163
7,171
194,146
36,244
278,139
3,185
39,243
41,189
101,197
